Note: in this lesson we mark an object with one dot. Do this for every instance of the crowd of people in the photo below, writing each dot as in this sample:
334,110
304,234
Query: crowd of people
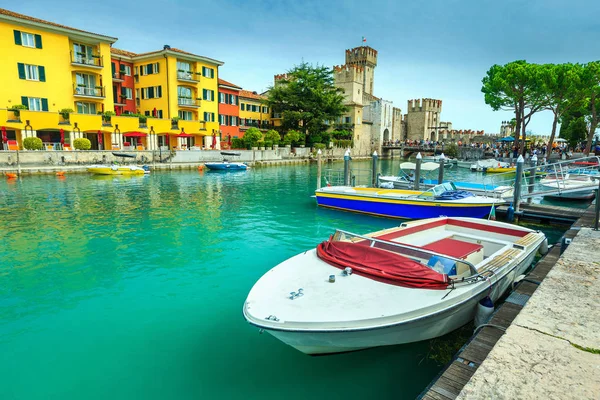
500,149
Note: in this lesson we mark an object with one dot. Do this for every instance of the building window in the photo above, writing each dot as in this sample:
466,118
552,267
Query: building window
209,117
184,96
86,108
84,54
34,104
243,107
152,92
265,110
222,98
186,115
184,70
347,120
150,69
127,92
31,72
208,72
27,39
125,69
86,85
208,95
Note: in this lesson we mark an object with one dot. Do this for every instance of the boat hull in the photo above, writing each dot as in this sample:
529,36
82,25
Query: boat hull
115,171
401,209
226,166
428,327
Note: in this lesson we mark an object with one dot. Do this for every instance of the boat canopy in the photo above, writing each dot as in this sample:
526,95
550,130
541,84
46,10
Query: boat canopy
428,166
380,264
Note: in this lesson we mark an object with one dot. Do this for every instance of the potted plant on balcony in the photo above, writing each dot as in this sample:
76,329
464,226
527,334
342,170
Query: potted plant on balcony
65,113
106,116
16,109
174,122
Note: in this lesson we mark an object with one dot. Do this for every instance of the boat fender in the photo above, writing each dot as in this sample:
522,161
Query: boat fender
485,308
543,249
347,271
510,213
331,278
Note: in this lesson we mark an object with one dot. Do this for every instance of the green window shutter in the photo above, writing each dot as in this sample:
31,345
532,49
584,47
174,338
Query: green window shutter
25,101
147,113
44,104
112,64
42,73
212,73
144,93
123,92
159,90
38,41
21,68
18,37
151,92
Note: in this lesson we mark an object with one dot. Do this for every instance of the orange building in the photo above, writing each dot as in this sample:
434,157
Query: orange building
122,81
229,112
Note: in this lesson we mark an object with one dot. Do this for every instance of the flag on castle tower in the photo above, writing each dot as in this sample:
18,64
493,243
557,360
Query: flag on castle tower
364,39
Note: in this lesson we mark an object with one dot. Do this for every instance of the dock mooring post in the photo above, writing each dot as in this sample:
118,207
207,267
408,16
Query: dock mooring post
418,171
533,165
18,164
517,189
347,168
597,209
374,171
319,169
441,169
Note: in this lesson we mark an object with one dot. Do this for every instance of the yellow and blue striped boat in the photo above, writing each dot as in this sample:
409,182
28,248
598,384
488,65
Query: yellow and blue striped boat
442,199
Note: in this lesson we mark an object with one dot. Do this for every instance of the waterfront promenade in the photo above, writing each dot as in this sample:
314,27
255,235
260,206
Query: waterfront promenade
551,350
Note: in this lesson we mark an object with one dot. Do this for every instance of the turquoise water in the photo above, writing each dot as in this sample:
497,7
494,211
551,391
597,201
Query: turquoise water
133,288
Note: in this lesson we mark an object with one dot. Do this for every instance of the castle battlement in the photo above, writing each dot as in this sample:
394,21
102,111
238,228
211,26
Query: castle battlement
348,73
279,77
363,55
425,104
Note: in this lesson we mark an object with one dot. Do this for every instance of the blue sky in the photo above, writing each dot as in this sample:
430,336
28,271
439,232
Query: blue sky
437,48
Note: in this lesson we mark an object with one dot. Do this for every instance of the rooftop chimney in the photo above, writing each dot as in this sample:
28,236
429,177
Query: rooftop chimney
166,47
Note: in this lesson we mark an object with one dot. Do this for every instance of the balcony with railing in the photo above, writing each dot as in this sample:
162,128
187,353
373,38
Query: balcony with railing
95,92
119,76
187,76
188,102
87,60
255,124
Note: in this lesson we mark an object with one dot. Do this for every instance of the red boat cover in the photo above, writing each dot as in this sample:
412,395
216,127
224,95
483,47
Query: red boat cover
381,265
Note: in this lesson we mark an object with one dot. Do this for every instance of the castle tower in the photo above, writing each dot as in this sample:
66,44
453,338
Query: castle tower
423,119
366,58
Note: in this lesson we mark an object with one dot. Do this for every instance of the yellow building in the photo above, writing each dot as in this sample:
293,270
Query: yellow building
50,69
253,111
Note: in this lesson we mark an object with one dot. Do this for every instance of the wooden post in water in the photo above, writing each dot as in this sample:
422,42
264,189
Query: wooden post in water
18,164
374,171
441,169
533,165
597,213
347,168
418,171
319,169
517,189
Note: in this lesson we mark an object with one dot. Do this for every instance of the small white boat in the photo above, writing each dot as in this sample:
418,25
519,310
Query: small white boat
436,159
571,186
415,282
481,165
464,164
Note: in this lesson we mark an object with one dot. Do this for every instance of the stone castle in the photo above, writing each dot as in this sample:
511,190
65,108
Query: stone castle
373,120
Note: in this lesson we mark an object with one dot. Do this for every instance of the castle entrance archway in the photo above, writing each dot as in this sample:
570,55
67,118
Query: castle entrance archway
386,135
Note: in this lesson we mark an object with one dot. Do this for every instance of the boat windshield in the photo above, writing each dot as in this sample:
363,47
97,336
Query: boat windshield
439,190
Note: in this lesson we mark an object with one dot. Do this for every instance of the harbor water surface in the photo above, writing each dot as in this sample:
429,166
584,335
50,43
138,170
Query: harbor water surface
128,288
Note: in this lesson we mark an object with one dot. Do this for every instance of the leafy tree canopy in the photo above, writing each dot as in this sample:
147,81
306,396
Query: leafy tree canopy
307,98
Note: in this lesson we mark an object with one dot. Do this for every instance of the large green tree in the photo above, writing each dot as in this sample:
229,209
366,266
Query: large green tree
591,85
306,99
573,127
562,92
516,86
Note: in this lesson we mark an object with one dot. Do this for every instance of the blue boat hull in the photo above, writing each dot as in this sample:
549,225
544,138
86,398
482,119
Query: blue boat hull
404,211
226,167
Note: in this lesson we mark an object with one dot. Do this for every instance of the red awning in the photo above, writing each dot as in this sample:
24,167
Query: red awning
381,265
135,134
184,135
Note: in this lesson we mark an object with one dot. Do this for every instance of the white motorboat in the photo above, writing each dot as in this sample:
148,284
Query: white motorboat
571,186
481,165
418,281
406,180
436,159
464,164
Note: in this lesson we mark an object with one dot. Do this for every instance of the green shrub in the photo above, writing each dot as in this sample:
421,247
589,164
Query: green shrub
237,143
32,143
342,134
343,144
292,137
260,143
319,146
17,109
82,144
451,150
252,136
268,144
273,136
